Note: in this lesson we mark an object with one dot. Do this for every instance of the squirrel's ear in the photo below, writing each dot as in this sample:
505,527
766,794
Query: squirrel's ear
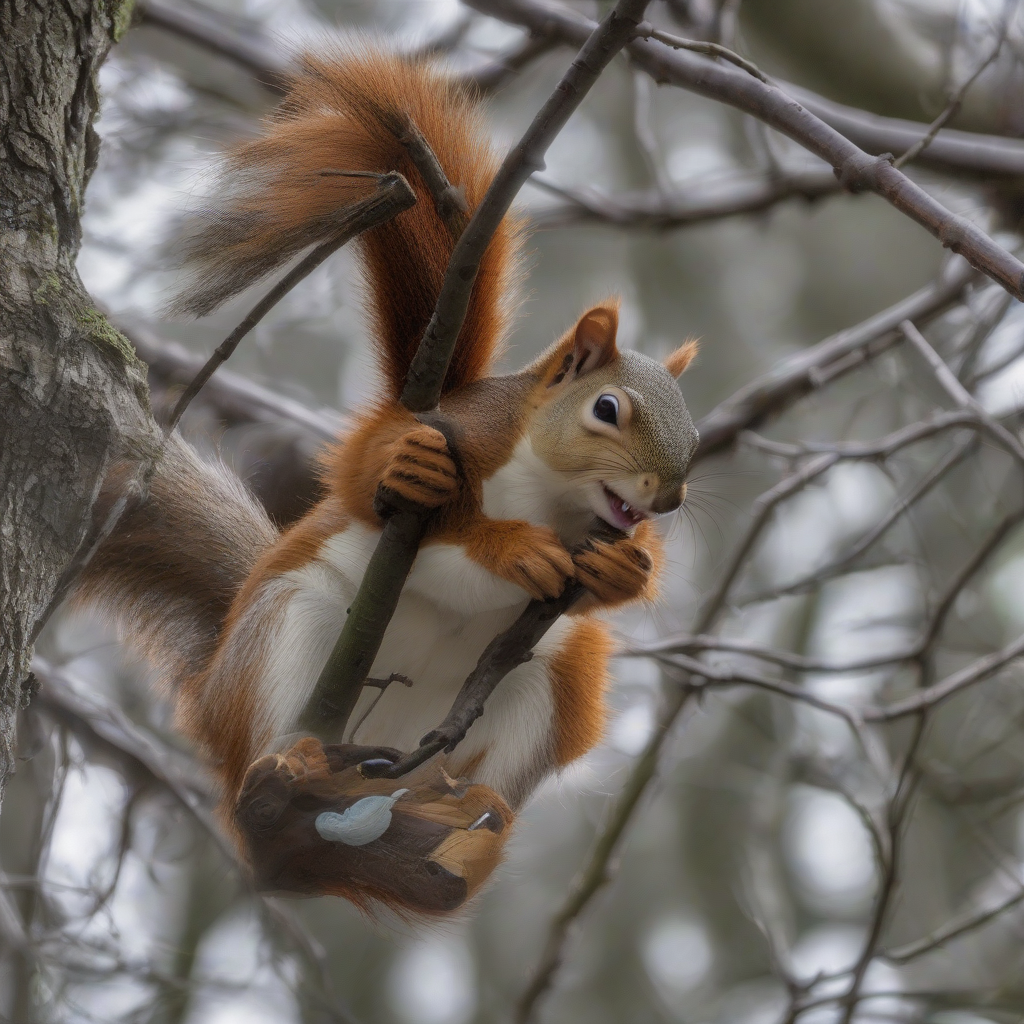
594,339
677,362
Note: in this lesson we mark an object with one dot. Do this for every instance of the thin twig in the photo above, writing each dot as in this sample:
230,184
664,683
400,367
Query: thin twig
931,697
505,652
703,47
948,379
923,487
597,872
939,938
504,67
955,103
698,204
734,645
794,377
393,195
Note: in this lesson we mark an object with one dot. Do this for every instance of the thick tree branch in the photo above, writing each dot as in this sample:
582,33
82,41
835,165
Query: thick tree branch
950,150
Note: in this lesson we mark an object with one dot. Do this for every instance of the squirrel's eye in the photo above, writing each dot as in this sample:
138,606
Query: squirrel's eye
606,409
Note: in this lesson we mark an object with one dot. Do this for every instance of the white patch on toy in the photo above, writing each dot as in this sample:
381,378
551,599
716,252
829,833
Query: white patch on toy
364,821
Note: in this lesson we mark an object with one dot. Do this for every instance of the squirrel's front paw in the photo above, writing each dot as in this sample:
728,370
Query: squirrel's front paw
536,560
614,571
421,470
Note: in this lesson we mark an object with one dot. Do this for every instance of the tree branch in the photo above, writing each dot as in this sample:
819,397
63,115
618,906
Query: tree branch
261,58
856,170
600,43
801,373
698,204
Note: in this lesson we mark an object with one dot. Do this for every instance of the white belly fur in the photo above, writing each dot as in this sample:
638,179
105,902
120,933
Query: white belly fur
450,610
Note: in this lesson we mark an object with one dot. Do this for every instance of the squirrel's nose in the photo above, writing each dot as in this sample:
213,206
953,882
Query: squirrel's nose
669,499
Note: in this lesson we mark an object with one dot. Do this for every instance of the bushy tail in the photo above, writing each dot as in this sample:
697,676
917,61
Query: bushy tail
168,573
344,111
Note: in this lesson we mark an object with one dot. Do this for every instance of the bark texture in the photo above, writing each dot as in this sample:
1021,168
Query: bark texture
73,396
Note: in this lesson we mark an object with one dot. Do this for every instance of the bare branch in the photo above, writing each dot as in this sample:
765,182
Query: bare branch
597,871
800,374
827,572
960,394
733,645
256,55
102,724
935,695
234,398
939,938
856,170
951,151
503,68
701,46
956,101
700,203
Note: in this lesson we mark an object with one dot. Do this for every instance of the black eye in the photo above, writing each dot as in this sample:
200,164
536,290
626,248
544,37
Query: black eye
606,409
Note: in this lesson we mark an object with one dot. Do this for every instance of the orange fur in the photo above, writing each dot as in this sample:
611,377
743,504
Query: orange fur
344,111
579,680
677,362
532,557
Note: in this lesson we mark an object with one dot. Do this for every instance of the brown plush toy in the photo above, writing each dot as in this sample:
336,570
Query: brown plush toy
313,824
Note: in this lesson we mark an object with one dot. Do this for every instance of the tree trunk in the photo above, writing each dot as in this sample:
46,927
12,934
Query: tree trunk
72,392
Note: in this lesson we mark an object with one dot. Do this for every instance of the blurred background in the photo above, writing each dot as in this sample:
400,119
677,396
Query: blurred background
793,859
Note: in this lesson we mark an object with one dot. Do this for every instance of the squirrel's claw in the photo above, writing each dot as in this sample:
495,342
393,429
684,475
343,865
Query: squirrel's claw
539,563
421,470
615,571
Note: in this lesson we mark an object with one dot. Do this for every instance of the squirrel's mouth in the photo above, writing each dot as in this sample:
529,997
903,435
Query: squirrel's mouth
624,515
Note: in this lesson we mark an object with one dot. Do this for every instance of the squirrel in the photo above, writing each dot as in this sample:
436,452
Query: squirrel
239,618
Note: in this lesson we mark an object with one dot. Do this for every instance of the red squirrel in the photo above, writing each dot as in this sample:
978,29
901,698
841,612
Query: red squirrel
239,618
